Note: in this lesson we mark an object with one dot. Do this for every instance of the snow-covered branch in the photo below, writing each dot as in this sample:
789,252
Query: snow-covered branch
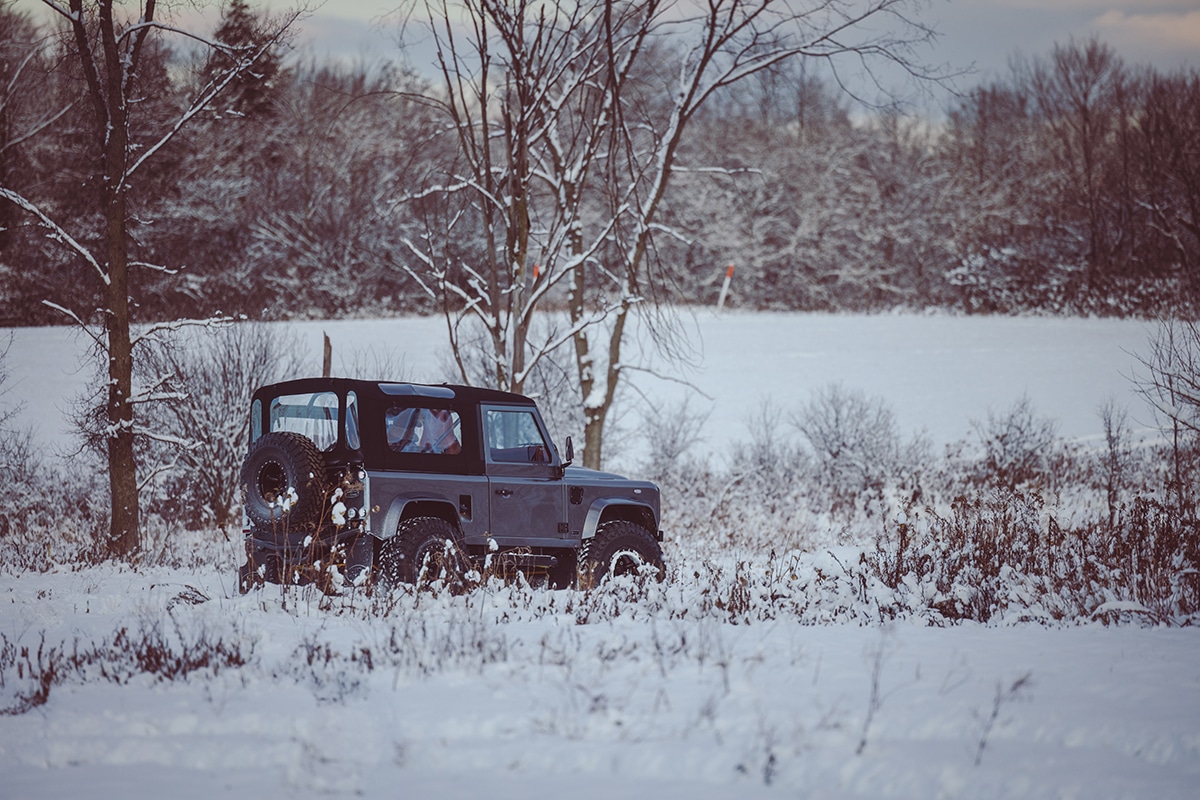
154,331
97,338
154,267
56,231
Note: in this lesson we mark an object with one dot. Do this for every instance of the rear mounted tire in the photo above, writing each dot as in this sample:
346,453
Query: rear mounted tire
619,547
283,482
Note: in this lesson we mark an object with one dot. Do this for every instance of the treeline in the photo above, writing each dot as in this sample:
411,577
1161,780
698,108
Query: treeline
1072,186
277,202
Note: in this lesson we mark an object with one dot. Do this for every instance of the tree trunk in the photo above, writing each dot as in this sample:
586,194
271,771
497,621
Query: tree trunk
124,538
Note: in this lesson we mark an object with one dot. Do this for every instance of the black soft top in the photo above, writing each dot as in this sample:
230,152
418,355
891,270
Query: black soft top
375,398
460,395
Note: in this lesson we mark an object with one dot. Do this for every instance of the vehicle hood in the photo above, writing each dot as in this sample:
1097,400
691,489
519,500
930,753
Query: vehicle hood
585,474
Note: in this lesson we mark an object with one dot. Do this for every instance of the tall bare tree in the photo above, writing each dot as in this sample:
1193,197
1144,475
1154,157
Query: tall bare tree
1076,91
108,43
1169,158
568,118
1170,383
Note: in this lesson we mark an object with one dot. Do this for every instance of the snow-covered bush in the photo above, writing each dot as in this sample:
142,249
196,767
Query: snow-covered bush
160,647
19,463
1003,554
55,514
197,434
1018,446
857,447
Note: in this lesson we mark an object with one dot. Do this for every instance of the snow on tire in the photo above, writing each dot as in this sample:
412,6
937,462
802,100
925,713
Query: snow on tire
619,547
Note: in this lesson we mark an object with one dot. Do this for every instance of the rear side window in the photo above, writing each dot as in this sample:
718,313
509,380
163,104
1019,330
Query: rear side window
313,415
353,440
437,431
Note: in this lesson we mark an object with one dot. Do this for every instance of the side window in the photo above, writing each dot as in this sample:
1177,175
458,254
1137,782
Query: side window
255,420
437,431
513,437
352,438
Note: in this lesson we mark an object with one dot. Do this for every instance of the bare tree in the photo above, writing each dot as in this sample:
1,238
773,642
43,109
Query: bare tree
1171,385
109,44
569,119
1114,463
1075,91
1168,130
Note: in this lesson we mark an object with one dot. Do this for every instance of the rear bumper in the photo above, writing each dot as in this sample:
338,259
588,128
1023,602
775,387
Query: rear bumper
296,558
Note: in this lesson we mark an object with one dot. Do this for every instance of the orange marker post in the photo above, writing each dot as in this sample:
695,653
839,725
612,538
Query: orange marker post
725,288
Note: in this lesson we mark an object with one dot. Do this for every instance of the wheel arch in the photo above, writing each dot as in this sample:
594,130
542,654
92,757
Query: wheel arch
407,507
607,509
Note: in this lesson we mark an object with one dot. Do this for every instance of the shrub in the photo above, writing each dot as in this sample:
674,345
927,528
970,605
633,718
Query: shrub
856,445
1000,553
1017,447
196,436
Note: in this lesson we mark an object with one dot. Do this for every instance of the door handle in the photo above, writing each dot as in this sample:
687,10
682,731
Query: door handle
504,492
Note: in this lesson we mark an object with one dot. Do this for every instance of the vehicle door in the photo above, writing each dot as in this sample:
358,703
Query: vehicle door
527,494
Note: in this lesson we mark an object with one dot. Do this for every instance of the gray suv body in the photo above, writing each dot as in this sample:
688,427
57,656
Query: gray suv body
405,482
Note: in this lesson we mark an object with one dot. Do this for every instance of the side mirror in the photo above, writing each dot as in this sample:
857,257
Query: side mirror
570,453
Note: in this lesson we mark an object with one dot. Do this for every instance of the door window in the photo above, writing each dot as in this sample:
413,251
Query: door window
513,437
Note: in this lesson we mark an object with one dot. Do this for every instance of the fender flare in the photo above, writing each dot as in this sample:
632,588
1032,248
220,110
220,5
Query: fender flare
591,522
395,512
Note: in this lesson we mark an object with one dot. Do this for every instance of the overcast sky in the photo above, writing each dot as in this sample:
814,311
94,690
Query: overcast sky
979,33
1165,33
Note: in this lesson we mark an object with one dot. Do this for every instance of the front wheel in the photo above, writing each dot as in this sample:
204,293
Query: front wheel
424,550
619,547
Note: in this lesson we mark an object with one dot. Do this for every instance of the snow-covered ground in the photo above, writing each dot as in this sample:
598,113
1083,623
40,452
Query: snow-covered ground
624,692
504,694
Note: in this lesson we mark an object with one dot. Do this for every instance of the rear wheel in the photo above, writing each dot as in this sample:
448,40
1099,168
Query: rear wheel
619,547
424,550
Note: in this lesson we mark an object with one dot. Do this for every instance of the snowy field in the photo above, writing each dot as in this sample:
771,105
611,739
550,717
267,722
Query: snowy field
504,694
171,684
938,372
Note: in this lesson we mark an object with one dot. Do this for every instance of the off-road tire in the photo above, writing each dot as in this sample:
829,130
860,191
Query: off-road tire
424,549
277,462
619,547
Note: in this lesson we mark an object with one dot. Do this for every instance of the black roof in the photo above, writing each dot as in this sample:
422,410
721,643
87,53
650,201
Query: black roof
375,397
444,391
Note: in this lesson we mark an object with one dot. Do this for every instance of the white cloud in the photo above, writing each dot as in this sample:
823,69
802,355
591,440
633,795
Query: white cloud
1169,29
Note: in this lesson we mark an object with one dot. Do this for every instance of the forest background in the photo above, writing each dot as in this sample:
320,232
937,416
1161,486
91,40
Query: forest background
1071,184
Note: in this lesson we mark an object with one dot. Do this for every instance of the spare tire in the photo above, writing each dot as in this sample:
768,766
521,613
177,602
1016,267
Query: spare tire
283,482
